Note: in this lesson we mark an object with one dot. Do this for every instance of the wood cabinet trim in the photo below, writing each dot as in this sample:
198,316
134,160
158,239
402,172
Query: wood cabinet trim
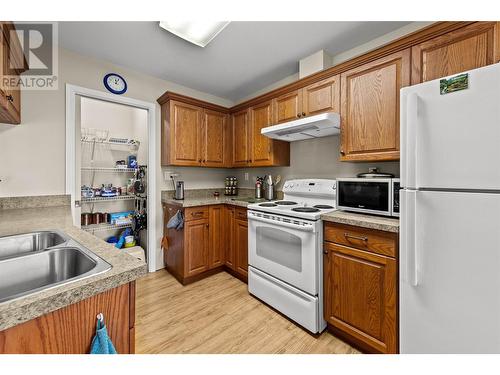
169,95
406,41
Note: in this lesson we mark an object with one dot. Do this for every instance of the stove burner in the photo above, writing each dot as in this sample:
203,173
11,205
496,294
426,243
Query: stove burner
323,206
267,205
305,209
286,203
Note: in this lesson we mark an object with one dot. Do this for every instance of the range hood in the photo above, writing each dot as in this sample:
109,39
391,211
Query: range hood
322,125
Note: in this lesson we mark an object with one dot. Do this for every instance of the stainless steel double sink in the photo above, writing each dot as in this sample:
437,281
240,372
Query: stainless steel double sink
36,261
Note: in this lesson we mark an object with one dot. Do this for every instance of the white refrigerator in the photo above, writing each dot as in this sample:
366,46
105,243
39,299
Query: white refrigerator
449,291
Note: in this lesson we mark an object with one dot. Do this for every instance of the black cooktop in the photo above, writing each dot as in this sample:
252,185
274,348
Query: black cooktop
267,205
305,209
285,203
323,206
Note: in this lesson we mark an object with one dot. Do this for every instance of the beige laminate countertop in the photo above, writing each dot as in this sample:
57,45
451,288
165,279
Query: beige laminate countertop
203,201
125,268
387,224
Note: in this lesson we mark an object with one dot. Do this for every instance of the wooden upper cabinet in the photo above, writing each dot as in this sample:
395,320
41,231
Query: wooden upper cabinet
370,108
323,96
261,147
361,296
183,134
288,107
241,138
213,138
12,64
470,47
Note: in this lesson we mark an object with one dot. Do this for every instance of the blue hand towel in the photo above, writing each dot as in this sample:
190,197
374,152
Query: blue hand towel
176,221
101,344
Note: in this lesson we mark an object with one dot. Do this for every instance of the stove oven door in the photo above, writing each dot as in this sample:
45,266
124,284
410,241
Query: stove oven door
285,248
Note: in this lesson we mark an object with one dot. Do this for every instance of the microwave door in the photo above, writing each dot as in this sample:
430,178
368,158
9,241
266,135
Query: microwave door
373,197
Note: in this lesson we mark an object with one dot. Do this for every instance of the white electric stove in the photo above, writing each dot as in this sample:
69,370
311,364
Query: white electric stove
285,247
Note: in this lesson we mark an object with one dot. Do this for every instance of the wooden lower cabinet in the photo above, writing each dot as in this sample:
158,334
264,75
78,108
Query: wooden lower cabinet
196,246
360,294
213,239
241,244
70,330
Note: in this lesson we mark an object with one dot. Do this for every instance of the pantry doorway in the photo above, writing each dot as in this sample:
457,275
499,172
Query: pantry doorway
111,169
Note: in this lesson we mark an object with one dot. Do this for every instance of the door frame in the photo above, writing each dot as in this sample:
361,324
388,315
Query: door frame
72,91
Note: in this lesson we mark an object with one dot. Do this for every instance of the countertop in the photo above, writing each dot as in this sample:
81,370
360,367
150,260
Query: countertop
204,201
387,224
21,220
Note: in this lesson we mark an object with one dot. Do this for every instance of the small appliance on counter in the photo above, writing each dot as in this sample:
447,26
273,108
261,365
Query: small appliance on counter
179,190
372,192
231,186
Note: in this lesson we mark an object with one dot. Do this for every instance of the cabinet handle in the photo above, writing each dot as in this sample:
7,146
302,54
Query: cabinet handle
347,236
207,225
299,115
325,251
342,152
303,113
10,98
199,160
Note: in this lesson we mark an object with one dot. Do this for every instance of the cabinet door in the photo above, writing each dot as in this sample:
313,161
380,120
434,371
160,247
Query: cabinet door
216,236
229,237
241,135
288,107
241,246
261,146
212,138
468,48
323,96
370,108
360,296
11,62
196,246
185,131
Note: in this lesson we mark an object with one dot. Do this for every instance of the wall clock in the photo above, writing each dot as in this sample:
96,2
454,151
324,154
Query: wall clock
115,83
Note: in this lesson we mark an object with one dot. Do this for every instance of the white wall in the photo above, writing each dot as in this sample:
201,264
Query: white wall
315,158
33,153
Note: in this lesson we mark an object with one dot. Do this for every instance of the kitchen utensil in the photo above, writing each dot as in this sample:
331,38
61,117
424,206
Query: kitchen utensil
269,191
278,180
258,189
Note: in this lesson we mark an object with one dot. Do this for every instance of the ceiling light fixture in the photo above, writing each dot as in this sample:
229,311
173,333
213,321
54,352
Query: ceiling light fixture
196,32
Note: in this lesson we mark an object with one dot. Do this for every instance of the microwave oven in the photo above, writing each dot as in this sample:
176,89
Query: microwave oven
378,196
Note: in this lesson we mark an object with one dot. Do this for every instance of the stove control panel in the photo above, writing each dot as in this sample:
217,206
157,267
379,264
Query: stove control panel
310,187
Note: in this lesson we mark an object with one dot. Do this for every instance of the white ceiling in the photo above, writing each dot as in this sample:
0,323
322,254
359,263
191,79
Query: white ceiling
243,58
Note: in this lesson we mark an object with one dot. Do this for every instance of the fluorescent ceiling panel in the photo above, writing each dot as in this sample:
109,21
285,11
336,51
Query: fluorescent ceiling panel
196,32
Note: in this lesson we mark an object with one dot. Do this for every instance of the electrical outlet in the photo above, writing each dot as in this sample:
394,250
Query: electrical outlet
246,176
167,175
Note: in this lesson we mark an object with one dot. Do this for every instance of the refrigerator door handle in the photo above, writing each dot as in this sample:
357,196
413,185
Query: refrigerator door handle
409,239
411,140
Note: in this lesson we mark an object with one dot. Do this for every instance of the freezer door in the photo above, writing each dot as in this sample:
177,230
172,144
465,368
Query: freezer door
449,272
452,140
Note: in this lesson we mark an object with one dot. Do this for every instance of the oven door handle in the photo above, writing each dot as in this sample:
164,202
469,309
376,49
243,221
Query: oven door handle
281,223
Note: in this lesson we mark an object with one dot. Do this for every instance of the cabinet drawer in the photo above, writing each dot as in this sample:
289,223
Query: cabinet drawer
194,213
380,242
240,213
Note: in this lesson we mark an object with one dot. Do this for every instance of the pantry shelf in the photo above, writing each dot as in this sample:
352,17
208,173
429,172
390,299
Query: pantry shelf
106,199
104,227
108,169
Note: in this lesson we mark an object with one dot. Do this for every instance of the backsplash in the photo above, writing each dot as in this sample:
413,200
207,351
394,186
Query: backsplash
7,203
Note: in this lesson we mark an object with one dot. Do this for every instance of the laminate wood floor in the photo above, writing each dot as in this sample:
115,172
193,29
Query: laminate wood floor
216,315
